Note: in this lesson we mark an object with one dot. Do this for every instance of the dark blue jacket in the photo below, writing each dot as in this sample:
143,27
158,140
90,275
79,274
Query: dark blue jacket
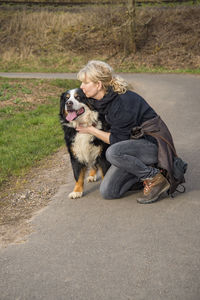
123,112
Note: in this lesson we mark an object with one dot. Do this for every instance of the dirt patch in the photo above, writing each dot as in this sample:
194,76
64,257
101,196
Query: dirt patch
26,94
22,198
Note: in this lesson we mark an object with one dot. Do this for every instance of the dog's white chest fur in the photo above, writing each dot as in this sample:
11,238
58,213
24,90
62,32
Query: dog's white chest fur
84,149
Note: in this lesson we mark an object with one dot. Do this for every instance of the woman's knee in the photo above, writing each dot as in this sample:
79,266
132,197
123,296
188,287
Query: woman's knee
112,152
107,192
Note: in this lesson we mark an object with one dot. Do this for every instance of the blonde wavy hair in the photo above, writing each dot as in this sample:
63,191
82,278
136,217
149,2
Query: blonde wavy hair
96,70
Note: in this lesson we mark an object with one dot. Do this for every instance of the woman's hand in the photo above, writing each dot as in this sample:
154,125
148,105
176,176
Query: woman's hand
87,130
100,134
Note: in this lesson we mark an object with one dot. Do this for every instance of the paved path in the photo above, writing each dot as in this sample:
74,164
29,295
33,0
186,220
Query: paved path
95,249
40,75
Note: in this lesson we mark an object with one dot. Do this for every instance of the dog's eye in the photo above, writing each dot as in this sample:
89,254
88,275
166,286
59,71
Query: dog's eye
78,97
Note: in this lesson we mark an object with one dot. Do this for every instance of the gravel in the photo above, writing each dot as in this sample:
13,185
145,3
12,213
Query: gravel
23,197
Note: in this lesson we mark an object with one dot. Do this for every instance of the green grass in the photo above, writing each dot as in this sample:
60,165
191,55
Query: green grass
28,136
7,90
73,64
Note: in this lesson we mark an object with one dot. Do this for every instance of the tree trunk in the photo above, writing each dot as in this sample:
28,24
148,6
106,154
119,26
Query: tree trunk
131,24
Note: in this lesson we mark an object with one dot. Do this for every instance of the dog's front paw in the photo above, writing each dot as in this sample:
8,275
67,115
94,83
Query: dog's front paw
74,195
92,178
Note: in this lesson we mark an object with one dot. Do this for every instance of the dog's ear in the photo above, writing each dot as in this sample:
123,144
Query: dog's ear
81,93
62,96
62,104
88,101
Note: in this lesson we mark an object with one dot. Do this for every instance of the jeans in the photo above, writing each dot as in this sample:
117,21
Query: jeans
131,162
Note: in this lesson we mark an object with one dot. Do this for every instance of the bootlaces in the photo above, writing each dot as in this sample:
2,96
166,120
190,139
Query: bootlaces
147,186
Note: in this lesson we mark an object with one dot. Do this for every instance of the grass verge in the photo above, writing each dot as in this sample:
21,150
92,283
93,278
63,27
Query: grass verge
29,132
74,64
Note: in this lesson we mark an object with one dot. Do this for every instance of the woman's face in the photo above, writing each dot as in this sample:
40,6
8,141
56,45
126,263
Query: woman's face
92,90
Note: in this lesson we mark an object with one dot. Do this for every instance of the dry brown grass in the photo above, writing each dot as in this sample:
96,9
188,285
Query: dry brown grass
165,37
27,33
177,40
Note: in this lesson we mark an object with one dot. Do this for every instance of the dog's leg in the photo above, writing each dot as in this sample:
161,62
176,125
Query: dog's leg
103,167
102,172
78,189
92,175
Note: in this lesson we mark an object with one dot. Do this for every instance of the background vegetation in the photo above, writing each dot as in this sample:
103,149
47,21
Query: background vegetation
62,39
71,2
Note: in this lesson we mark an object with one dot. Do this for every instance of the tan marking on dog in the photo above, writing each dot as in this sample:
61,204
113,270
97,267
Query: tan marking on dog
92,175
79,184
66,113
101,171
93,172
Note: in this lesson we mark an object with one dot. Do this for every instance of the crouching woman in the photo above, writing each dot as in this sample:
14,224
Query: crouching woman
138,151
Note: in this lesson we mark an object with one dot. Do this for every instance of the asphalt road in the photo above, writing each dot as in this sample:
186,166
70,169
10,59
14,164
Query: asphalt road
95,249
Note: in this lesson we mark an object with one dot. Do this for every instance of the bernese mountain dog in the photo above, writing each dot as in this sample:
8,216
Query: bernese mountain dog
85,150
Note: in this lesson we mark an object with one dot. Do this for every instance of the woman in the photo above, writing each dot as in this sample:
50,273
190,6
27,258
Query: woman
133,158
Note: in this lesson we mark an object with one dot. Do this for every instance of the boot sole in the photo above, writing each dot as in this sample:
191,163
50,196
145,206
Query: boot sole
143,201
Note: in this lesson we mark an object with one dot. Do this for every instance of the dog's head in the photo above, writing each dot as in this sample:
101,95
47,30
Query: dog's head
76,108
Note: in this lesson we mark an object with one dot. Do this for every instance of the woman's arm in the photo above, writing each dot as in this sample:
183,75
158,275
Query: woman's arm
100,134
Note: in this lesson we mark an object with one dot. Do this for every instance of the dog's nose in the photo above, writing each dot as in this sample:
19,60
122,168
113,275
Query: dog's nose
69,103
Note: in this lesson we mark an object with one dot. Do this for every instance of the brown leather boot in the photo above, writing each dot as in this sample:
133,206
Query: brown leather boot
153,188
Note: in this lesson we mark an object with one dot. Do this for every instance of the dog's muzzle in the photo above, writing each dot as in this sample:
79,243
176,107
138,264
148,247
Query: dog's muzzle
72,114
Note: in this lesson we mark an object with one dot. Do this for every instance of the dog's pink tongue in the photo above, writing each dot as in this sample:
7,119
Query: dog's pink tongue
71,116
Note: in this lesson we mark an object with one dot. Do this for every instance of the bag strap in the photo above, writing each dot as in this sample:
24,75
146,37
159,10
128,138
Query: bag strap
165,140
